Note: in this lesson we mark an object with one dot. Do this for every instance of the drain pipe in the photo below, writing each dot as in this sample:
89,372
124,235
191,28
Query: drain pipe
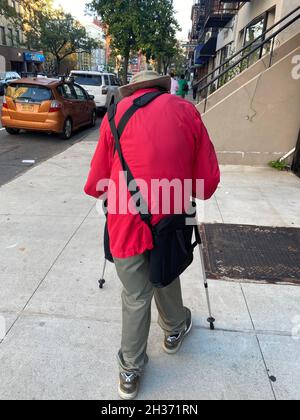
287,155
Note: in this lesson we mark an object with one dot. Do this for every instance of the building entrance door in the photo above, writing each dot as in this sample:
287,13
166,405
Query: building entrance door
17,66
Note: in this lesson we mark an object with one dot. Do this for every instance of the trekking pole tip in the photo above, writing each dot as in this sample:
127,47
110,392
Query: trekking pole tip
211,322
101,283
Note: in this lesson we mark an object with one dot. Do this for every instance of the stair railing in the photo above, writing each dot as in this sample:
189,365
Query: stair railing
246,52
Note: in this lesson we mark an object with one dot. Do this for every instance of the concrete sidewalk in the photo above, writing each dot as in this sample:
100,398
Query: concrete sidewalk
63,333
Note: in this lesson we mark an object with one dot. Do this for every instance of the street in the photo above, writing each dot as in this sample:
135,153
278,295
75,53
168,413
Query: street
22,152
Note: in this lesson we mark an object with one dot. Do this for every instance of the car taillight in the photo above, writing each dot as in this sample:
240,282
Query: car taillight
104,90
55,106
4,106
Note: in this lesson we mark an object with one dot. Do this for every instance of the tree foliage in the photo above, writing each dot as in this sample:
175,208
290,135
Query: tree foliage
135,25
26,14
161,33
32,11
59,35
45,28
178,63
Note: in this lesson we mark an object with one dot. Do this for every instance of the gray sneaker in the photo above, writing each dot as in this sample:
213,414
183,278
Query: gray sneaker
172,343
128,386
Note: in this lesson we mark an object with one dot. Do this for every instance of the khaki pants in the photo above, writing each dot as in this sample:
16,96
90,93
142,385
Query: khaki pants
137,296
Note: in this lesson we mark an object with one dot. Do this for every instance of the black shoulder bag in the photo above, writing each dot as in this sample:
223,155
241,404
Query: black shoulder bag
173,248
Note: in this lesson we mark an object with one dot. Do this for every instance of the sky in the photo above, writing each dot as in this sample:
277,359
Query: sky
182,7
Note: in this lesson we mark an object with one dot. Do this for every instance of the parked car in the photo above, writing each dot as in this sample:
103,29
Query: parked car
5,78
103,86
50,105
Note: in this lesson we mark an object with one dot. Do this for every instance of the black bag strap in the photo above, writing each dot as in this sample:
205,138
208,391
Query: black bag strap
138,103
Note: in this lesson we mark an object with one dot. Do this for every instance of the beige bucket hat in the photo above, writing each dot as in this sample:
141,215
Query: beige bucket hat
145,80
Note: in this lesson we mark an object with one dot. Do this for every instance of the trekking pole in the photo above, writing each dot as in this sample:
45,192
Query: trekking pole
211,320
102,280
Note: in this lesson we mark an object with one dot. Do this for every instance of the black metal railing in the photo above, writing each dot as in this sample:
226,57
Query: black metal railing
228,70
240,2
219,11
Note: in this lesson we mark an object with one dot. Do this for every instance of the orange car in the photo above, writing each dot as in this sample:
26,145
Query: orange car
50,105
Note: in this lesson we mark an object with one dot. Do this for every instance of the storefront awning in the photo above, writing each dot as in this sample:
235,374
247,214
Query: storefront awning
210,47
33,57
203,52
199,59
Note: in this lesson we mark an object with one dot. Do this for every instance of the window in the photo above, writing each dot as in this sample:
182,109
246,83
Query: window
15,4
114,81
255,29
28,93
255,32
106,80
81,96
225,53
18,37
87,79
10,37
2,35
66,91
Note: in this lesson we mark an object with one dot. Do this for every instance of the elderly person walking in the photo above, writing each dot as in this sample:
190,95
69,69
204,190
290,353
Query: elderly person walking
164,140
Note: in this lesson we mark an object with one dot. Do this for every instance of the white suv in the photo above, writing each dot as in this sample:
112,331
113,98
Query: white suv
103,86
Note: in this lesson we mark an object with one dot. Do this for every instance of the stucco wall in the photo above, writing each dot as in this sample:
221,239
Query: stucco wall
261,65
254,9
251,11
286,7
260,121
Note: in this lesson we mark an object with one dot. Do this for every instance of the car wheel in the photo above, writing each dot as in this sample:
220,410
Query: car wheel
93,118
13,131
68,130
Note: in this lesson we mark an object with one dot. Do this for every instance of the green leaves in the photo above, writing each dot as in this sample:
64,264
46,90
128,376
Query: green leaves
139,25
58,34
280,166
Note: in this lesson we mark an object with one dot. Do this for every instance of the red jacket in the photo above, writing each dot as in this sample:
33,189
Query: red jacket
165,140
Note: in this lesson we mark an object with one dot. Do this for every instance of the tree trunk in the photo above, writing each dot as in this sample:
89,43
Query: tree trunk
166,66
58,65
159,65
126,63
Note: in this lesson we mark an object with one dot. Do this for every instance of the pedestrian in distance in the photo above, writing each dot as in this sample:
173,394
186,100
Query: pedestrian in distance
183,88
174,84
155,136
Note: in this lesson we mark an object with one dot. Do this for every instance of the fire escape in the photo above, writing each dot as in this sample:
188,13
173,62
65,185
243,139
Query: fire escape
214,15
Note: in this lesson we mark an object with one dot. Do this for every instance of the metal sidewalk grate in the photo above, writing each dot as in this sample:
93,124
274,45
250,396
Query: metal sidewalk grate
253,253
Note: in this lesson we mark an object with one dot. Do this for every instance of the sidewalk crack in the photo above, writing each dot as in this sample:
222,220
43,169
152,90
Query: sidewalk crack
219,208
